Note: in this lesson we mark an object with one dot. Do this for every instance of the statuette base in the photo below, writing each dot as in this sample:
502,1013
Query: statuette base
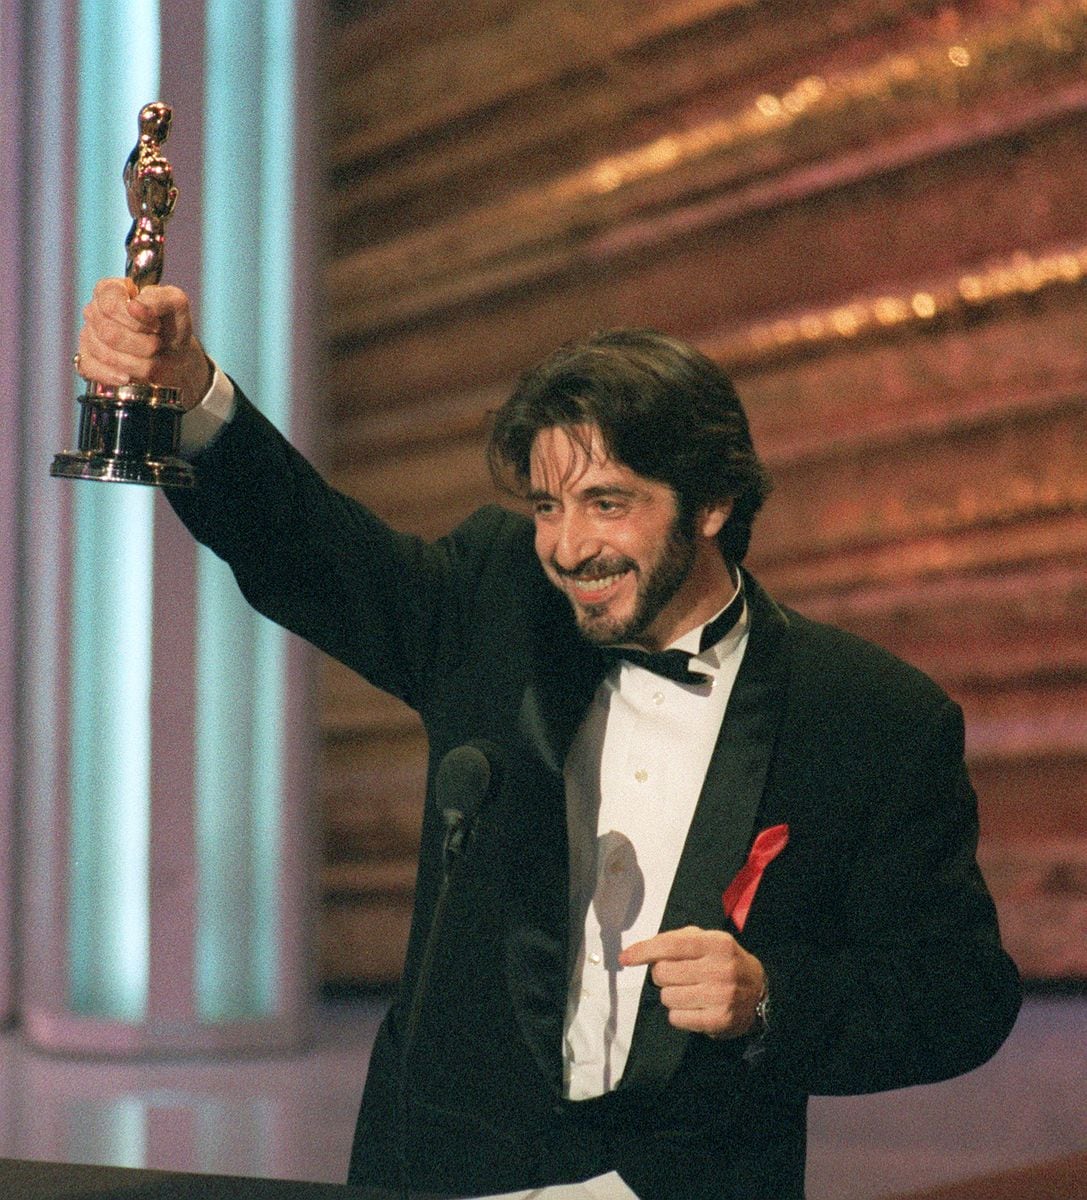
128,434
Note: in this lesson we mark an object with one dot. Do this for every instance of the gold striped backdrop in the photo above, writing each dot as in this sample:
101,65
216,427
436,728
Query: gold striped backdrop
873,212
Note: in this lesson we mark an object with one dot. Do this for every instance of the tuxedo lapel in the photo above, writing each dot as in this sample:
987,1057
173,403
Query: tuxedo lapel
564,672
723,824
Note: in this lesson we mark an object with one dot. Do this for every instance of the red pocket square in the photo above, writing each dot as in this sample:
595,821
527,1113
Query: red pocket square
741,891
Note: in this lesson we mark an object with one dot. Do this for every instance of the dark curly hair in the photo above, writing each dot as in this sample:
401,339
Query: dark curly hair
663,409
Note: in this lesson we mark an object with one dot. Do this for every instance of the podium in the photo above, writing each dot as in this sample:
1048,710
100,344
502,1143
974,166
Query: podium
75,1181
72,1181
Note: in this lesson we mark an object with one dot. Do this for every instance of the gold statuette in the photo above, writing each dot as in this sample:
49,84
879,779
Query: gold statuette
130,433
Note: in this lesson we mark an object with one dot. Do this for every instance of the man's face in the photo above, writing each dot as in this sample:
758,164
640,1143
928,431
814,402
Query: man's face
611,540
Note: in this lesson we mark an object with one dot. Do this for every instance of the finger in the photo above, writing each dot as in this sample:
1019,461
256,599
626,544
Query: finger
689,942
692,996
123,348
703,989
717,1022
139,342
109,364
725,1013
639,954
675,972
97,361
111,299
93,370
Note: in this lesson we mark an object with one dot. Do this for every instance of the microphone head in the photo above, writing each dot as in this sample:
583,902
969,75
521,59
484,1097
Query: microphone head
466,776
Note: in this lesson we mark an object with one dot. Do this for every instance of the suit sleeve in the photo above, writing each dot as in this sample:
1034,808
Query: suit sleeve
387,604
913,986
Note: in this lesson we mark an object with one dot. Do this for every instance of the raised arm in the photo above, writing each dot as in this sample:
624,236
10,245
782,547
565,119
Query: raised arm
385,603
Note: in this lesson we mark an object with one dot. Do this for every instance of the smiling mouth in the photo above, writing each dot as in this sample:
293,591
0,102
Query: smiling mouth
600,584
594,596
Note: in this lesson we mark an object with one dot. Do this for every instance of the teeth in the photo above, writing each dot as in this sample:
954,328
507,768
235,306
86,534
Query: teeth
595,585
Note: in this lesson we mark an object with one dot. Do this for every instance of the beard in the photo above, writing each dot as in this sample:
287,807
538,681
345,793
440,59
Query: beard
656,585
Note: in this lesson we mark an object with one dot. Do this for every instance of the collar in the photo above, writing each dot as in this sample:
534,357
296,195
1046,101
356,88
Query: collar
704,637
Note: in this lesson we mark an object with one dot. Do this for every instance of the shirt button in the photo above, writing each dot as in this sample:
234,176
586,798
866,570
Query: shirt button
641,774
594,958
658,697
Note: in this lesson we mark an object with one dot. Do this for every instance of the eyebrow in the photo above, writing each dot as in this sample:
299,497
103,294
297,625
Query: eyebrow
590,493
604,489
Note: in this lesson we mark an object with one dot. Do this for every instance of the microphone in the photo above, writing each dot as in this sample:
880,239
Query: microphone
467,777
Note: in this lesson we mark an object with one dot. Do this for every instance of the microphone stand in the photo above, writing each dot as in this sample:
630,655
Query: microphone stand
467,770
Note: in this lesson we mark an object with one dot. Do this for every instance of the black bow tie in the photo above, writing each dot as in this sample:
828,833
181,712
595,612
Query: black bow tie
672,664
676,664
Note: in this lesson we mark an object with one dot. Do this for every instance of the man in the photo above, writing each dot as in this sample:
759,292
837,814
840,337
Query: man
698,896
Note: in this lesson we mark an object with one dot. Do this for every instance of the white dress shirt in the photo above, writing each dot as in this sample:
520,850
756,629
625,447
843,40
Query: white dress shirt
204,420
633,777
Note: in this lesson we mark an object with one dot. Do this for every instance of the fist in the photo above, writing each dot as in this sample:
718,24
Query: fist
142,337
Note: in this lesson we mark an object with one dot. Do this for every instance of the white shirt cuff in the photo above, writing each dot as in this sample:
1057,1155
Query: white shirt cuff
201,425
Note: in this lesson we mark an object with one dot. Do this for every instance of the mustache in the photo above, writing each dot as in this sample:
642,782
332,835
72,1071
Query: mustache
594,568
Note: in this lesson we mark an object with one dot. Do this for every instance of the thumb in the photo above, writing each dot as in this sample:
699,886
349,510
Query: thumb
167,308
156,300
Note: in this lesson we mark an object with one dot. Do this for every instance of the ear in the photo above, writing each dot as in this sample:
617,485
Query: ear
712,518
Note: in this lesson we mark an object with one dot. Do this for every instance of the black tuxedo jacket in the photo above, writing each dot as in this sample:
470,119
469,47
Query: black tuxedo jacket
876,931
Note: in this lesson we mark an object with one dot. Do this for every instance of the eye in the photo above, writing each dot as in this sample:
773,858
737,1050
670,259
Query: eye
544,508
604,505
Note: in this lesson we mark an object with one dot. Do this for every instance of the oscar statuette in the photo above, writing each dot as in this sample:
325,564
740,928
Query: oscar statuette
129,433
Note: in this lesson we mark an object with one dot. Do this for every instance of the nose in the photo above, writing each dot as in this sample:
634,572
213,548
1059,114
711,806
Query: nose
575,541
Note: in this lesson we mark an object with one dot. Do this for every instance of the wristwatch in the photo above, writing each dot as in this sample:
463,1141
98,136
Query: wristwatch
762,1011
